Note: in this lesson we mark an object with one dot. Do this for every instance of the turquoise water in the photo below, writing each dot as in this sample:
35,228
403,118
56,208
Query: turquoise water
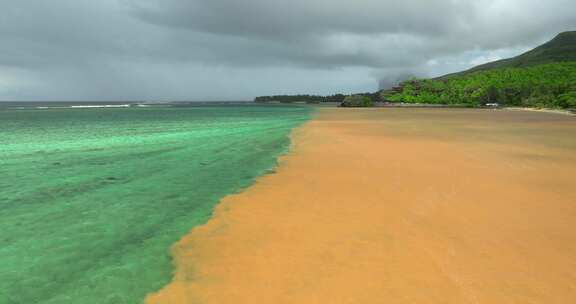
92,199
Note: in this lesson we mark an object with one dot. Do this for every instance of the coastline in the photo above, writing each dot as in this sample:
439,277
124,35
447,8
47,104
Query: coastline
553,111
120,186
371,205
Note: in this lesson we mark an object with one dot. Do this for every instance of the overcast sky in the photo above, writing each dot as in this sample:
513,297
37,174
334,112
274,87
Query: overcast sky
237,49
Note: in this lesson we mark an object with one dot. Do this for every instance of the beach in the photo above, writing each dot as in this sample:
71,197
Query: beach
396,206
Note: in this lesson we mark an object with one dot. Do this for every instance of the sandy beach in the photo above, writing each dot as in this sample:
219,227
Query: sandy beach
397,206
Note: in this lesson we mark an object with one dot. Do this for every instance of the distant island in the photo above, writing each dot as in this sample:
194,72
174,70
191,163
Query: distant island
544,77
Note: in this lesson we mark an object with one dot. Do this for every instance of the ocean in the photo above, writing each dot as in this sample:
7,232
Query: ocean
91,199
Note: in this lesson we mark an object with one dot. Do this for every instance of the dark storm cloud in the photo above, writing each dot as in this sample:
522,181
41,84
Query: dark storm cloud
278,19
232,49
372,33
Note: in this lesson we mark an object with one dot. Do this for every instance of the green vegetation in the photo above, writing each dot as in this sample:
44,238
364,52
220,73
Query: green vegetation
300,98
543,77
547,85
314,99
560,49
357,101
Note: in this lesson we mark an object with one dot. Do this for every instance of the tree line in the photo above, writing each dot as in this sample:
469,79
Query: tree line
546,86
314,99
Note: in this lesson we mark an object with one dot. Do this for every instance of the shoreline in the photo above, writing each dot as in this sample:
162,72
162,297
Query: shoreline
552,111
386,105
356,211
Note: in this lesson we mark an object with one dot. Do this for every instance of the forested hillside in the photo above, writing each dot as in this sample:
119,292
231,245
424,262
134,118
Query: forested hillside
542,77
547,85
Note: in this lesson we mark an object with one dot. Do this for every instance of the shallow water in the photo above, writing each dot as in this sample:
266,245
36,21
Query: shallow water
92,199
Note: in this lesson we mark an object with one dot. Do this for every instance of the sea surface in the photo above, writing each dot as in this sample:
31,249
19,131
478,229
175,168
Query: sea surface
91,199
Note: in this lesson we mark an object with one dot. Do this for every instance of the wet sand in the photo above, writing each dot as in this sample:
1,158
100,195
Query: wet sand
397,206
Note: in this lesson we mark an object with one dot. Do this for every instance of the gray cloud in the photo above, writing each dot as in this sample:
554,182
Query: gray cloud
230,49
277,19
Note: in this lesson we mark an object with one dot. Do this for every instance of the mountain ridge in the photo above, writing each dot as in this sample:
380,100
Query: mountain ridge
561,48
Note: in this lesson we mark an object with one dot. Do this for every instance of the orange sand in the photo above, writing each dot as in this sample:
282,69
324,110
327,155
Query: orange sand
397,206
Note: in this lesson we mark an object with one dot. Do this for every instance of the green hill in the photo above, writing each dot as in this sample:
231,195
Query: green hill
560,49
542,77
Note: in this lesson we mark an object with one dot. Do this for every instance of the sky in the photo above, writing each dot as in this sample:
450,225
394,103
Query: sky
206,50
